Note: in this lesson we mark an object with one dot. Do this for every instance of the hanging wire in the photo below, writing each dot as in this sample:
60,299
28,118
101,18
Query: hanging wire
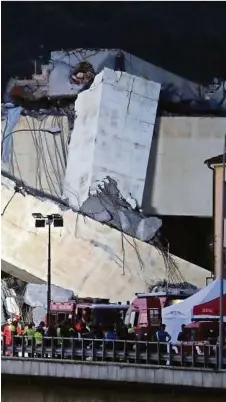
6,206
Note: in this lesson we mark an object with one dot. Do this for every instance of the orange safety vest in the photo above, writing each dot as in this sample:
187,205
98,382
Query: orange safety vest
8,334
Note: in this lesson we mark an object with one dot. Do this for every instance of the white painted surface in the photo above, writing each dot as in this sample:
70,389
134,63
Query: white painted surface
112,135
182,183
87,256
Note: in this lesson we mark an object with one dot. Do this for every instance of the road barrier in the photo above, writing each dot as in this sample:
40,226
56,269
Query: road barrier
81,349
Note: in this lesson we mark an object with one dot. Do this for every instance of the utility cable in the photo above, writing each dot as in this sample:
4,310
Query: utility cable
51,159
45,167
38,172
11,198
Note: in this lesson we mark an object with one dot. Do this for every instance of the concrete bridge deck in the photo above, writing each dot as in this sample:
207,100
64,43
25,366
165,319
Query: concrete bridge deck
115,372
97,258
115,361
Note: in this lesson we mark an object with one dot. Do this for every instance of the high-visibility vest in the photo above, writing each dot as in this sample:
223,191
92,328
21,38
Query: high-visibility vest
38,338
12,328
30,332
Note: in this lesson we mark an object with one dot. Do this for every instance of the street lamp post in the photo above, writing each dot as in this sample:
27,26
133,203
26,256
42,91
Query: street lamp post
40,222
221,320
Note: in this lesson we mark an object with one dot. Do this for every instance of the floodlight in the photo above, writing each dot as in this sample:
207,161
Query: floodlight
37,215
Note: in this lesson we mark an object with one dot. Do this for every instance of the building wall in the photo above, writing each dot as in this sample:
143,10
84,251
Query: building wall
218,221
87,256
39,158
178,182
112,135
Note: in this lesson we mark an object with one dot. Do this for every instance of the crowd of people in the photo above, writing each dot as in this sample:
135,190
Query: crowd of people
77,329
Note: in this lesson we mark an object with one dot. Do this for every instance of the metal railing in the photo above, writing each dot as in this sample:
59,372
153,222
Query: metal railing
81,349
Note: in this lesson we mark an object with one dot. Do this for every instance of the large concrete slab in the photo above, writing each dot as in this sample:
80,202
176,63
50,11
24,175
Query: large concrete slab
87,256
112,135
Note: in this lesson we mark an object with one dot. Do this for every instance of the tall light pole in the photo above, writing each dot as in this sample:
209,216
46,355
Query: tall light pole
221,320
40,222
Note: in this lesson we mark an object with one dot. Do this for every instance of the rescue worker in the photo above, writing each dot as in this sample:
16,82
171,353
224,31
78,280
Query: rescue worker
109,336
38,340
25,328
42,327
131,330
8,332
19,328
29,332
58,330
163,337
182,336
121,330
38,337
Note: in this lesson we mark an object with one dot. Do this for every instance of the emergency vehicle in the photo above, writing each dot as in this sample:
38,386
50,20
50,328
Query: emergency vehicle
99,311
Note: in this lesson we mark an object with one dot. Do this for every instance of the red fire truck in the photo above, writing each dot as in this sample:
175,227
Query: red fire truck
146,310
100,311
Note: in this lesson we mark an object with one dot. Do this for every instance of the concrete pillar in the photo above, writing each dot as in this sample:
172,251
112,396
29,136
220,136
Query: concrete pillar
112,135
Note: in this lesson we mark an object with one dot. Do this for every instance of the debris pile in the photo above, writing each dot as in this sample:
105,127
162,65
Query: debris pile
28,300
108,205
164,286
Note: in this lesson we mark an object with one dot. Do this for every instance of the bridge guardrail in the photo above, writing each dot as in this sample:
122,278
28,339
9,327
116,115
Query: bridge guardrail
83,349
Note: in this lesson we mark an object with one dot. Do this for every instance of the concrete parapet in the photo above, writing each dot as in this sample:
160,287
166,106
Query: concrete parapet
115,372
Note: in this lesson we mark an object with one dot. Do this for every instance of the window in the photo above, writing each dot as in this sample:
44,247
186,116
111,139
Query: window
127,317
154,314
132,318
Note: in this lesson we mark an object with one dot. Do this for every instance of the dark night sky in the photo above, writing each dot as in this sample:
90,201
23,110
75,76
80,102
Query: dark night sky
188,38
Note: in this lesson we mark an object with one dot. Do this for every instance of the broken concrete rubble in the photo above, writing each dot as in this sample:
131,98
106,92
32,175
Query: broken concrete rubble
35,295
164,286
108,203
11,299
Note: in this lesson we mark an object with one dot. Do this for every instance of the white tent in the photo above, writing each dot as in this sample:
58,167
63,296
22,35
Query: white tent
177,314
